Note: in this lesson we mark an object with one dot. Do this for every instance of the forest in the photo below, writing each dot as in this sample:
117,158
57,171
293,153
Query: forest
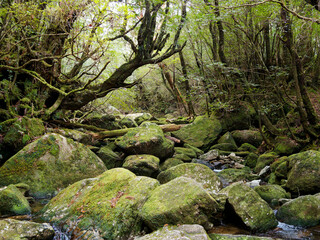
160,119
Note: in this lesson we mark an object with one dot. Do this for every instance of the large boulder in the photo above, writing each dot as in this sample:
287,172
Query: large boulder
110,158
245,203
143,165
239,115
17,133
265,160
108,204
106,121
201,133
11,229
247,136
234,175
50,163
271,192
286,146
13,202
146,139
185,232
303,211
199,172
180,201
170,162
304,172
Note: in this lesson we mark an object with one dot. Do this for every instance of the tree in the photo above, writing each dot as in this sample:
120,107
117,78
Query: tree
39,39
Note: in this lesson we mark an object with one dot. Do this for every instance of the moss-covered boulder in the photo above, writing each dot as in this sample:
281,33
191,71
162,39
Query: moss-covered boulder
271,192
234,175
265,160
240,115
11,229
304,172
180,201
142,165
195,149
182,157
106,121
109,157
251,160
50,163
247,147
185,232
170,162
127,123
224,147
199,172
186,151
108,204
201,133
146,139
247,136
303,211
253,211
76,135
286,146
13,202
227,138
143,118
16,133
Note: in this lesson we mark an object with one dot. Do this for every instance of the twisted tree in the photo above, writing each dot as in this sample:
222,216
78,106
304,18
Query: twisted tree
53,55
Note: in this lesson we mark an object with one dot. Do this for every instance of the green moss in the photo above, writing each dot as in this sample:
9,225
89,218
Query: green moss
303,211
50,163
251,160
180,201
12,202
271,192
108,203
234,175
265,160
201,133
224,147
170,162
142,165
199,172
186,151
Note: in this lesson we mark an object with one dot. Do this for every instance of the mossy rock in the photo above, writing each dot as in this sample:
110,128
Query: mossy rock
143,118
170,162
195,149
201,133
286,146
234,175
199,172
185,232
272,179
241,117
282,171
146,139
106,121
251,160
304,172
108,204
247,147
227,138
186,151
271,192
22,131
142,165
252,137
180,201
13,202
254,212
303,211
50,163
182,157
109,157
76,135
11,229
277,162
265,160
127,123
224,147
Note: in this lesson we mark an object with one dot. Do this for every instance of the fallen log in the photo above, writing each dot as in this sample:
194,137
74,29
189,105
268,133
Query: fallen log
121,132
